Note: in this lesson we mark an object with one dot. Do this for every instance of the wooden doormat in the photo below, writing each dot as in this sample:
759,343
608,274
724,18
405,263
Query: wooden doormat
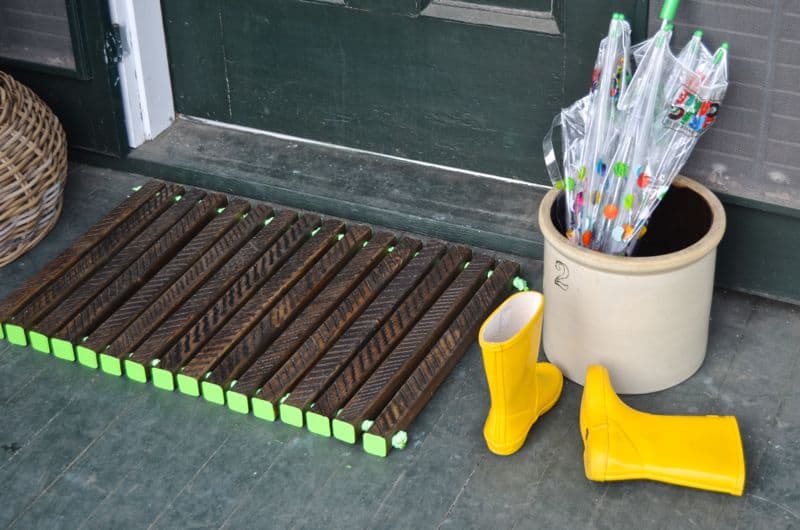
270,311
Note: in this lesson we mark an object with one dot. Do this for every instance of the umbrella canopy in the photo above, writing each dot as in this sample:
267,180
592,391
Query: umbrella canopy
625,141
640,105
690,110
587,124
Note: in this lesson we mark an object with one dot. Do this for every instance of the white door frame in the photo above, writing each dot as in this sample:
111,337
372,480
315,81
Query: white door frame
144,69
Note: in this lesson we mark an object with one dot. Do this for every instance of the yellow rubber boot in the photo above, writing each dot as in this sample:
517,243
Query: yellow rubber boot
520,388
621,443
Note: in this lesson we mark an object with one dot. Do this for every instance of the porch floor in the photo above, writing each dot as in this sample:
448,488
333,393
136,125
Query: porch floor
79,448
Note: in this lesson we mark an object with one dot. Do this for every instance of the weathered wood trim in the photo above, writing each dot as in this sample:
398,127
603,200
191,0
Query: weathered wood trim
394,7
490,15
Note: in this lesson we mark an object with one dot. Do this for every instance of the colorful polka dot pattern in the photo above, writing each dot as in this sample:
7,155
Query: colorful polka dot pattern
642,192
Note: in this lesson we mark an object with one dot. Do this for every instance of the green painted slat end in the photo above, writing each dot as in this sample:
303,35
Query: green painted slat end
162,379
213,393
344,431
135,371
16,335
187,385
376,445
318,424
110,365
62,349
237,402
39,341
263,409
291,415
87,357
2,333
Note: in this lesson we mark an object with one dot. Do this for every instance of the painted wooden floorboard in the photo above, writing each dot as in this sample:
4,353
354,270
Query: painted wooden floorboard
233,471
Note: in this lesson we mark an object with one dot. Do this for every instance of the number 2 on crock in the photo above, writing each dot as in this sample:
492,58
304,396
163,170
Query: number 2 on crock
562,274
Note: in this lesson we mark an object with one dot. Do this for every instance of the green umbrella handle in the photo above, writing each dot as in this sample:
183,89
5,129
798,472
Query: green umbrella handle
669,10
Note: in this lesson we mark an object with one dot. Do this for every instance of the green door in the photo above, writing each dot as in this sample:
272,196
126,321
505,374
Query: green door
63,50
469,84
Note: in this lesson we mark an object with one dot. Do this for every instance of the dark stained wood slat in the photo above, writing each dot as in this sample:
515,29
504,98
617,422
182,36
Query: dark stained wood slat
364,362
192,297
95,258
197,252
329,331
149,321
418,389
395,368
326,334
314,314
69,257
270,325
162,254
138,330
230,325
330,364
117,264
176,339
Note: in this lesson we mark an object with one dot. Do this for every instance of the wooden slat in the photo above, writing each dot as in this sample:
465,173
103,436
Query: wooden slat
95,258
191,296
212,332
196,253
314,314
80,247
146,322
418,389
364,362
222,300
395,368
331,363
268,327
331,329
183,242
106,274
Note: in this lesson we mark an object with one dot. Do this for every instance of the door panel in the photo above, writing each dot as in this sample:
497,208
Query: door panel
56,47
389,76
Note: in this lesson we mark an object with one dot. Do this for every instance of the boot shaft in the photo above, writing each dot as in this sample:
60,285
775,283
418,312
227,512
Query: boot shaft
509,341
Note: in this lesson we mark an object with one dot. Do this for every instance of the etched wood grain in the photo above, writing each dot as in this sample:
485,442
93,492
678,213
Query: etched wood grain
401,361
79,248
95,258
364,362
270,326
197,252
236,258
71,305
244,307
418,389
163,253
284,346
330,364
338,319
331,329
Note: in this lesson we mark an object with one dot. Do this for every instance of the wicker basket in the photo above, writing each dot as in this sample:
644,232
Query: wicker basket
33,169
